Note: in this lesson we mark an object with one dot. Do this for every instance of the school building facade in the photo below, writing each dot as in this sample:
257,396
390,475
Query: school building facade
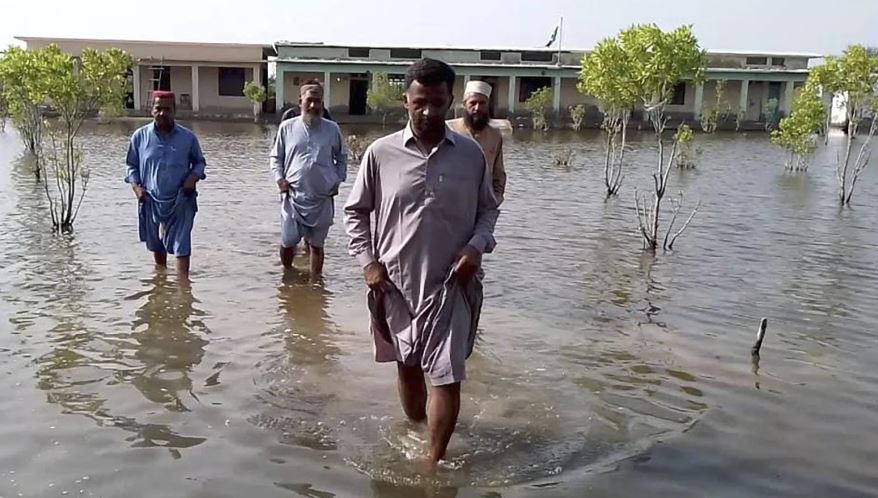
207,78
756,83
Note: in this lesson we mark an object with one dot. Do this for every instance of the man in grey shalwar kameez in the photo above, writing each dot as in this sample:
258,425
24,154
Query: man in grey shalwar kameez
309,163
430,193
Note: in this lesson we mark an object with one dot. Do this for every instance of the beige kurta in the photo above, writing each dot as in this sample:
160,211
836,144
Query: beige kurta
491,141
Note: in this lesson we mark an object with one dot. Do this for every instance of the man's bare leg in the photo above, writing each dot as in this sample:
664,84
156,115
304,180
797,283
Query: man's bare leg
444,407
412,392
161,258
183,266
286,256
316,261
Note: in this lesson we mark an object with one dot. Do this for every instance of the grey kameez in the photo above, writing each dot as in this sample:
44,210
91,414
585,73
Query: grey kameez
427,208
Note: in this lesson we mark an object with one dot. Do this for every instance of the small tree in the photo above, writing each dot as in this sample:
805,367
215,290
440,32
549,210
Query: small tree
608,75
538,105
256,94
715,114
770,114
795,134
75,89
685,155
660,60
384,96
23,96
577,115
4,109
853,76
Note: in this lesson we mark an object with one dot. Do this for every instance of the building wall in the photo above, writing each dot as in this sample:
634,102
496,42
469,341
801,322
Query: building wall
340,91
756,99
208,91
570,95
688,105
291,89
731,97
181,83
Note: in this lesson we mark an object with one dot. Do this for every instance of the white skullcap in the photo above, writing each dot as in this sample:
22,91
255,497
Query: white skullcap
473,86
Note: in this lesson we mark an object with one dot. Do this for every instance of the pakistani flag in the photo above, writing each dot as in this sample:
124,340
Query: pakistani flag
554,36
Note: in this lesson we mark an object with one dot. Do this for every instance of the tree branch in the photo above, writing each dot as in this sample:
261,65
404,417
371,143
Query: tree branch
684,227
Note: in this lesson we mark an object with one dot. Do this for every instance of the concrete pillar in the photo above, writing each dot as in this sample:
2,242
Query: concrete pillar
135,81
196,106
789,90
327,90
744,100
556,96
279,89
466,79
513,96
257,74
699,100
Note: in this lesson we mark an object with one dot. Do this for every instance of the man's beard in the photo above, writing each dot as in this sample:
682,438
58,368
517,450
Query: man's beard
476,122
310,118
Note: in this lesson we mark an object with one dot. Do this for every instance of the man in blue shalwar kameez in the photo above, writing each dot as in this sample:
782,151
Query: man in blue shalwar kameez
164,164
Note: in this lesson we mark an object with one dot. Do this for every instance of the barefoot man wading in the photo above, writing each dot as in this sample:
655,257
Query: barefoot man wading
430,193
309,162
164,163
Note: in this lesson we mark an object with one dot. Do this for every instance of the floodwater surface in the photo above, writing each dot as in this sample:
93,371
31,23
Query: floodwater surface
600,370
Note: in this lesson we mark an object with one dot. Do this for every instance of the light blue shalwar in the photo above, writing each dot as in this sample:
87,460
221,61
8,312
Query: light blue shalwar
160,164
313,159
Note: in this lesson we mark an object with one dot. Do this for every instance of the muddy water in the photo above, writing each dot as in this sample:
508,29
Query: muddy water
599,370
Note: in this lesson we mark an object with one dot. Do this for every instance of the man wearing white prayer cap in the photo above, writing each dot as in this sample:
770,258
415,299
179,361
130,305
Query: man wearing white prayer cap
476,124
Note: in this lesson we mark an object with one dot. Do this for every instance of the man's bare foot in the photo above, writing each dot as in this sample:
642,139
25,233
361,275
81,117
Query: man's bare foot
426,466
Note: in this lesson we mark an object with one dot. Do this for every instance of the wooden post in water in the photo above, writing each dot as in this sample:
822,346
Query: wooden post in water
760,335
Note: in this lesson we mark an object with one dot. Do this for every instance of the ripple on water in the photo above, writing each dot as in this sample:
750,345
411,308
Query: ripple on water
590,351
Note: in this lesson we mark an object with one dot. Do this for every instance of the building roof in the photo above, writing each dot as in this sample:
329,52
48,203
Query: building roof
287,43
263,46
140,42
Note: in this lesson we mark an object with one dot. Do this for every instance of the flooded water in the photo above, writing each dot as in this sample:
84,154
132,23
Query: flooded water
600,370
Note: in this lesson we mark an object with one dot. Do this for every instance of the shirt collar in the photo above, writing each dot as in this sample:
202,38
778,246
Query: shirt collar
408,135
173,129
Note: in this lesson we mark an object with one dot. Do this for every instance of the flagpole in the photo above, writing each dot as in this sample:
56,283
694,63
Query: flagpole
560,37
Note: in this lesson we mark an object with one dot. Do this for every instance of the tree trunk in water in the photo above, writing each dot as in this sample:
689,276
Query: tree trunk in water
843,175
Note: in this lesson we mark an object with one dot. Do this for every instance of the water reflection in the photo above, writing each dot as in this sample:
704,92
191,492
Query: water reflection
307,336
168,346
297,388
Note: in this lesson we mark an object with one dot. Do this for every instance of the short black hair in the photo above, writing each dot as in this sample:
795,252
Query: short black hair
430,72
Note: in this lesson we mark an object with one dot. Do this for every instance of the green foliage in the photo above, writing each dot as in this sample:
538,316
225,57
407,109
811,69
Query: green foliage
770,114
684,137
18,72
608,74
712,116
384,96
538,105
75,89
853,77
660,60
795,134
255,92
684,134
577,115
